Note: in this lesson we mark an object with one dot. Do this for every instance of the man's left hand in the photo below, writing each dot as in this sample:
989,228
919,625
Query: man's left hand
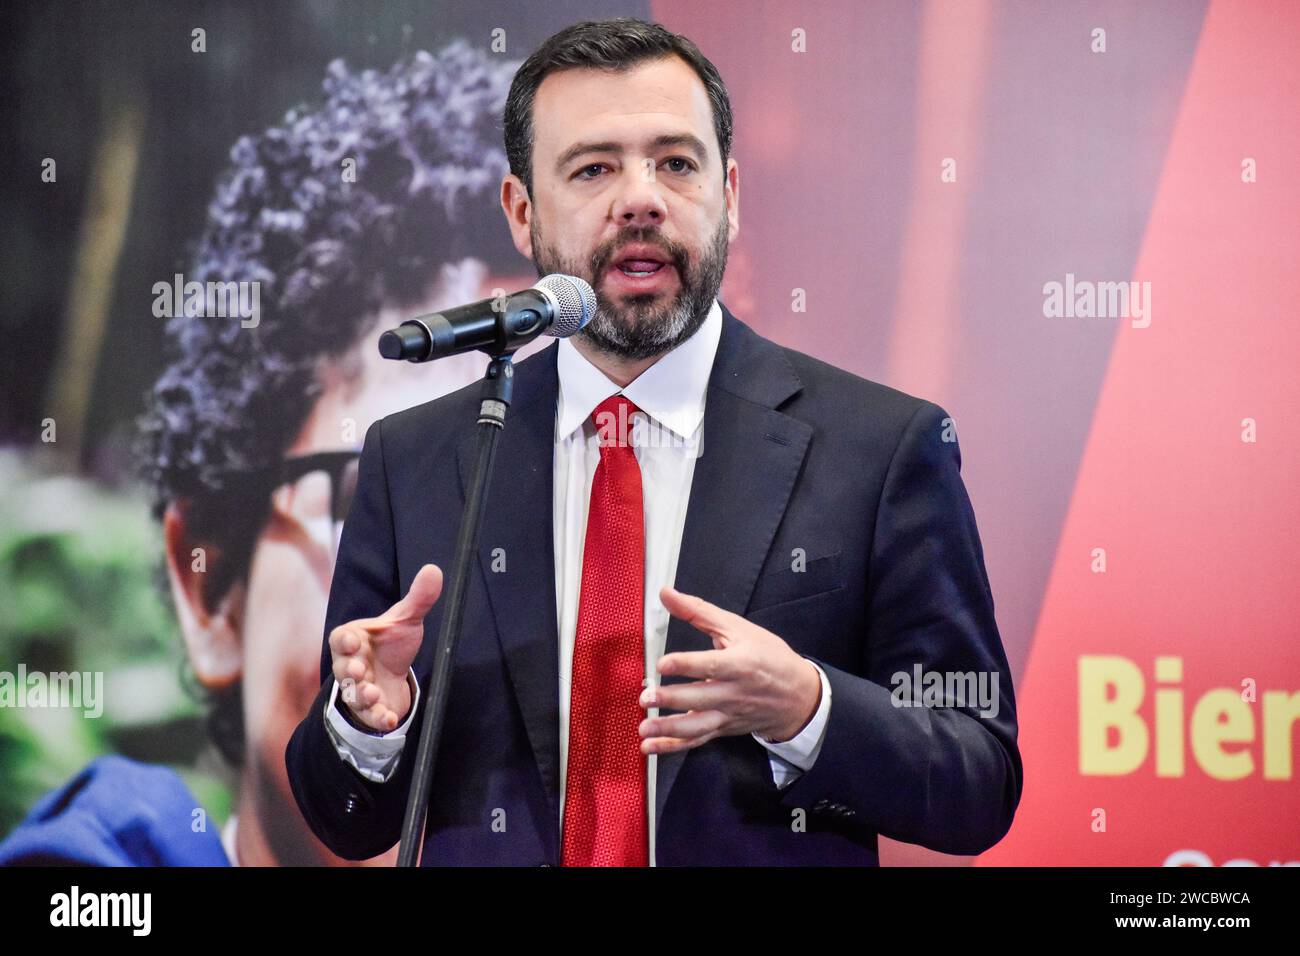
752,682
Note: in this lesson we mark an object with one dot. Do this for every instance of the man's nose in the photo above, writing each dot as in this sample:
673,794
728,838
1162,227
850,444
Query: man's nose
640,201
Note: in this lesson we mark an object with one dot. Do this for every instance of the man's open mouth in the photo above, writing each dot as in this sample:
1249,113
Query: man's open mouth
640,260
640,267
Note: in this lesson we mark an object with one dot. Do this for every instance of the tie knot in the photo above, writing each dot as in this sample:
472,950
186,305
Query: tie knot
613,421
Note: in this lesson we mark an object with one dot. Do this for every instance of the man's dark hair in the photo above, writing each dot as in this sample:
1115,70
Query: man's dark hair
329,252
618,45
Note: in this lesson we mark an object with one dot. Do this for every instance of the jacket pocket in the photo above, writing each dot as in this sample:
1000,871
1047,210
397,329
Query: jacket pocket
820,575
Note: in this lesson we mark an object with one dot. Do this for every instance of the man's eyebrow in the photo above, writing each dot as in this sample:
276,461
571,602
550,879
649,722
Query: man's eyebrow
688,140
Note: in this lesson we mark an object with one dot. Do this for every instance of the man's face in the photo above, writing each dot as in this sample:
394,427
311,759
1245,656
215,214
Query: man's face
628,178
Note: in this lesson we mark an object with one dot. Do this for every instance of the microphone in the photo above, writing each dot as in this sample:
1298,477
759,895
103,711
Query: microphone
558,305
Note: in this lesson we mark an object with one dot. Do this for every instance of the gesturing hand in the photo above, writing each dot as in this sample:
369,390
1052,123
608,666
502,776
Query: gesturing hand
372,655
752,682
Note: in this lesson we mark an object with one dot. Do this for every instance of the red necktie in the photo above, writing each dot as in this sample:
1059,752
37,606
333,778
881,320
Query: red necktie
605,822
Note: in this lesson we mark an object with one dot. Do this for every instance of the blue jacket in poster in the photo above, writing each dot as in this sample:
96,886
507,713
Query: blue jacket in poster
115,812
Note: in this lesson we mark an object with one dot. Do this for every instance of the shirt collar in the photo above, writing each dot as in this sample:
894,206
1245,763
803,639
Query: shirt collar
671,391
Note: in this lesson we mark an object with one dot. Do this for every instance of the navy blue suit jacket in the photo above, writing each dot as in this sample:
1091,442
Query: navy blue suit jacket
797,454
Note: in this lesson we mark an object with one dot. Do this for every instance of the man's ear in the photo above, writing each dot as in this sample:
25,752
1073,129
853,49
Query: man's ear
211,623
518,207
731,196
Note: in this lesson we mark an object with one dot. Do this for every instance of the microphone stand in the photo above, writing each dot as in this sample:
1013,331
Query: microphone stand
495,399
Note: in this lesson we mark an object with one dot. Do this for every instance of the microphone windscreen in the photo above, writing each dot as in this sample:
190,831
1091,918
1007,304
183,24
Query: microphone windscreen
575,303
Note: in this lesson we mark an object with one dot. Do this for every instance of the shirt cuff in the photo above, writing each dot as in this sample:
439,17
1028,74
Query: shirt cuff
374,756
800,752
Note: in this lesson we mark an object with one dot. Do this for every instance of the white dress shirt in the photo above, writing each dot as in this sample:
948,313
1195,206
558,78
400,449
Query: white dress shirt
671,392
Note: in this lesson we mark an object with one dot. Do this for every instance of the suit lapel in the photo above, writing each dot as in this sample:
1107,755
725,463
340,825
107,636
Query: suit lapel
518,521
739,491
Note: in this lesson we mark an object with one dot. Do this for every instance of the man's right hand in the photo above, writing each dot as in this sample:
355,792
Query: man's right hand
372,655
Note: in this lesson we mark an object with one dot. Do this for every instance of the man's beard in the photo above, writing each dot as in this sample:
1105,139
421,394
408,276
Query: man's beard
643,326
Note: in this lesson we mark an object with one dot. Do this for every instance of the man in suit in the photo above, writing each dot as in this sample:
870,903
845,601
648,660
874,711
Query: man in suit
688,658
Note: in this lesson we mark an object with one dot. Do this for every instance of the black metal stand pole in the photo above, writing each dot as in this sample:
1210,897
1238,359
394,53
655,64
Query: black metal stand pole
491,419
